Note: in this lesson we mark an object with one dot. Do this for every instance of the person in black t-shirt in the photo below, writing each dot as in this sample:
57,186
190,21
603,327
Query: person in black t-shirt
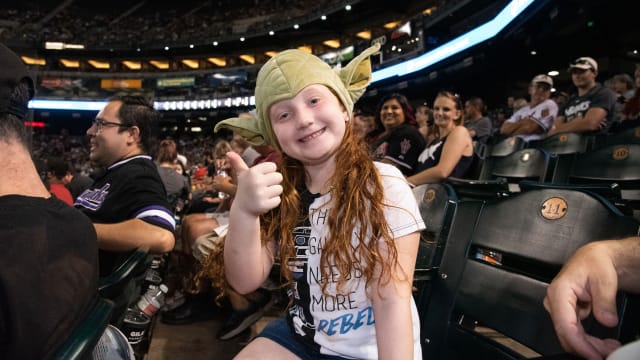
49,257
127,203
591,110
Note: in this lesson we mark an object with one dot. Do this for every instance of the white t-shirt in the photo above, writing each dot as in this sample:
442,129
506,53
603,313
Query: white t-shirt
543,114
344,325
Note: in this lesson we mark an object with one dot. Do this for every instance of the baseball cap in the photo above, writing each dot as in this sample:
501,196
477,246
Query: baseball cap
584,63
12,71
542,78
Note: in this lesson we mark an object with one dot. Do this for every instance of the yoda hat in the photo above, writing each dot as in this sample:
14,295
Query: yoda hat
286,74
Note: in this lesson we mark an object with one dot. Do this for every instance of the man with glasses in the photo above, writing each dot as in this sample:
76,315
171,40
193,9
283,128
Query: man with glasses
533,120
127,203
591,109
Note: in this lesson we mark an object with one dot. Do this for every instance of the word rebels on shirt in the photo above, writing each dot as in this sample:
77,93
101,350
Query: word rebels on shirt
347,322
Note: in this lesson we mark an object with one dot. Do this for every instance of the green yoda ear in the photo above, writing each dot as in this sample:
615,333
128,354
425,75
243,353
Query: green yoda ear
357,74
250,129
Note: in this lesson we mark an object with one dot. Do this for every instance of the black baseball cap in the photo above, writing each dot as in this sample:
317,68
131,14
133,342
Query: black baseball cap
12,72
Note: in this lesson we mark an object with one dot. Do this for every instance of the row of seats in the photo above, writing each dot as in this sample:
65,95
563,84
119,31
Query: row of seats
606,164
485,263
97,336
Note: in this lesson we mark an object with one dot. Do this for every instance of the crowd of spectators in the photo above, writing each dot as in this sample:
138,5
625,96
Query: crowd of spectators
147,25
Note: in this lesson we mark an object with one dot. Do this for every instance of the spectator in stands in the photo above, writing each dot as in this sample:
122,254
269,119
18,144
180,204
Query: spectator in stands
425,121
396,139
127,203
588,283
561,98
176,184
451,153
325,178
57,169
519,103
363,123
623,86
631,109
479,126
591,109
76,183
49,257
534,120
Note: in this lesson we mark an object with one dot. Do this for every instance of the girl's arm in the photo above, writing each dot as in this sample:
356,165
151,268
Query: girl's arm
452,152
392,303
246,261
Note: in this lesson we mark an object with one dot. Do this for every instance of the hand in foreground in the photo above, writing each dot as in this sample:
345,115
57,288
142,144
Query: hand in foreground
587,282
259,187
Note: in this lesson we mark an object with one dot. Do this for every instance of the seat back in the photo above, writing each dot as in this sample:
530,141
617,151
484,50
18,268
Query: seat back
437,203
616,166
121,286
563,149
504,174
507,146
522,164
613,163
629,135
82,340
565,143
498,150
496,274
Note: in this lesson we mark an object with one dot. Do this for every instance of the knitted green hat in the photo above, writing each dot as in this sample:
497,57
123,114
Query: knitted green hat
284,75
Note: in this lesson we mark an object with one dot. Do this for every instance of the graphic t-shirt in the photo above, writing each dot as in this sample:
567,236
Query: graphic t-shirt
401,146
599,96
344,325
543,114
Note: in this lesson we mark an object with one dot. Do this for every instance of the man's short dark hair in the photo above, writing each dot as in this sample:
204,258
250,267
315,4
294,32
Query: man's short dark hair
57,167
11,126
137,111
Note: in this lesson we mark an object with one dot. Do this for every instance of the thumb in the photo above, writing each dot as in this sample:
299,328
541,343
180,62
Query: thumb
604,302
236,162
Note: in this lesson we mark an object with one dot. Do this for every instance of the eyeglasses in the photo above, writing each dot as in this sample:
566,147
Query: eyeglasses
101,123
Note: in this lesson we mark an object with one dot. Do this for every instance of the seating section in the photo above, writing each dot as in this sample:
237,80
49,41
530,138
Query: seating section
499,257
615,166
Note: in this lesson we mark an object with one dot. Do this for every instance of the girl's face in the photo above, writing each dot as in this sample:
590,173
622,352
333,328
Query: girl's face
309,126
391,114
445,112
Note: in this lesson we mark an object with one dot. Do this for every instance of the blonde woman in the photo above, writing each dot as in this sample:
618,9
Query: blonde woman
451,152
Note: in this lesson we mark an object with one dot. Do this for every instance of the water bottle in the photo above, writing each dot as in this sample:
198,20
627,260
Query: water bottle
223,173
153,299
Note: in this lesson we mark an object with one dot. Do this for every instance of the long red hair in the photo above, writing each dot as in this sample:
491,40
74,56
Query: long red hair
357,199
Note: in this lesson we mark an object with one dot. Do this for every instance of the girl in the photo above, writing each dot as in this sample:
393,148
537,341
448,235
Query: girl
346,228
451,152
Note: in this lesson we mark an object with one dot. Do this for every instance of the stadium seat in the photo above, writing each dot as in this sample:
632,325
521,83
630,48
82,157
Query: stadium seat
82,340
497,263
501,148
614,165
437,203
563,149
121,286
626,136
504,174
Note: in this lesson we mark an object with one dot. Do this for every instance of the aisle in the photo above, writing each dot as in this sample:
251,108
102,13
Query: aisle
198,341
